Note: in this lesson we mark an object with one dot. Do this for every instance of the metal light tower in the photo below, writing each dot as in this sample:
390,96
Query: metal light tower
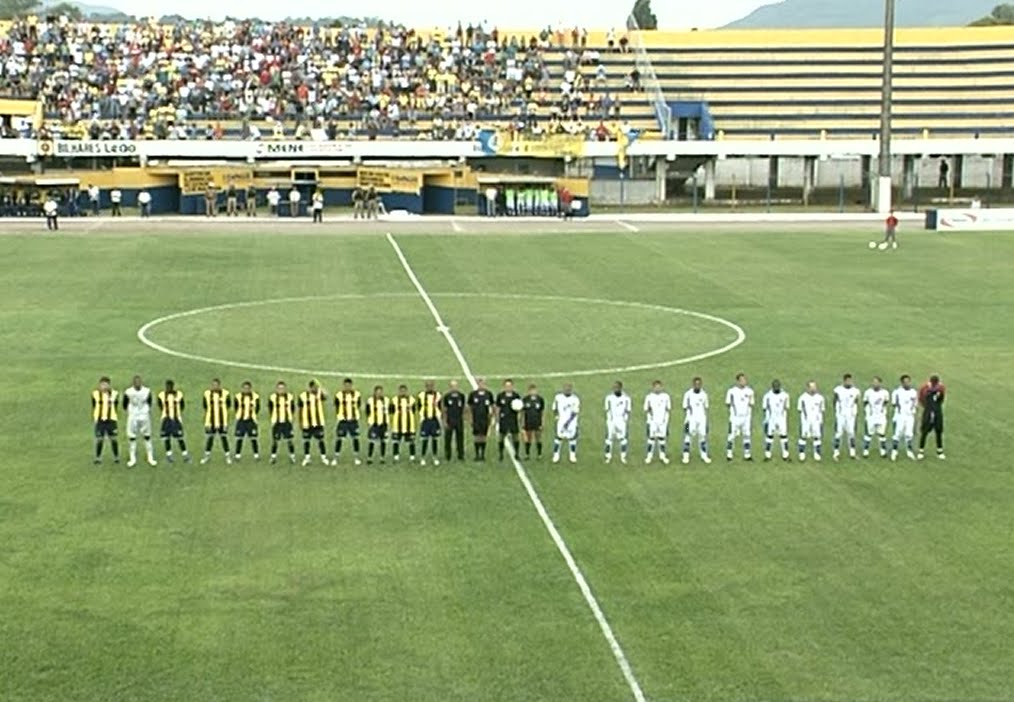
883,201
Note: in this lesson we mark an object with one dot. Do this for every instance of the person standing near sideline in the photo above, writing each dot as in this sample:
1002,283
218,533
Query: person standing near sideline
251,200
294,198
231,200
452,405
890,231
931,397
318,207
93,198
144,202
51,210
116,199
274,199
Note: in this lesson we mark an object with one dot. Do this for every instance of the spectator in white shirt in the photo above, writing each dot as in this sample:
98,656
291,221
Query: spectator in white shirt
144,202
93,198
274,199
294,198
116,199
50,209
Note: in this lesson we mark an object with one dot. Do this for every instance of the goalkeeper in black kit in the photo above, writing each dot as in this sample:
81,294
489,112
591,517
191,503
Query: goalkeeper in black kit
931,397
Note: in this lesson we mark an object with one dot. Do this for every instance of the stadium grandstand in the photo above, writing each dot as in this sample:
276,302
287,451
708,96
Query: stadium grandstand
261,81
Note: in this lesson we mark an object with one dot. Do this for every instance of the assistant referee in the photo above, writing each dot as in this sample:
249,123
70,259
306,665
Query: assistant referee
453,407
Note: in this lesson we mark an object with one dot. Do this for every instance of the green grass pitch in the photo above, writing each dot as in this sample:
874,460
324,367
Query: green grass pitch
841,582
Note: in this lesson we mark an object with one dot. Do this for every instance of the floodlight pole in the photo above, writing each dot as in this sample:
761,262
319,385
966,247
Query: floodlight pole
883,201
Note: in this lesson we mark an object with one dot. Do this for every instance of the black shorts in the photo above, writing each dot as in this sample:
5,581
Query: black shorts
509,428
105,428
933,421
281,430
480,428
429,428
172,429
313,433
377,432
531,425
212,431
403,436
246,427
347,427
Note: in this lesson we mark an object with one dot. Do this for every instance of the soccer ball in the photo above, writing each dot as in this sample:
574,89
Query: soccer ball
873,244
883,246
517,404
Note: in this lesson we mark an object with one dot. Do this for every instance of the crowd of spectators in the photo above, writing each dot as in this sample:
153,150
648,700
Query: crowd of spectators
276,80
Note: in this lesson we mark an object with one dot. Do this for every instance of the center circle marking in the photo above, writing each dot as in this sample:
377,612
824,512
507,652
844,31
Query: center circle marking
143,334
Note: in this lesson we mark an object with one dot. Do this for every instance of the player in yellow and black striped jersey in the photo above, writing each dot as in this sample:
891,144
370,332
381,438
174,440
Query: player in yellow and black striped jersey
311,419
247,405
170,401
104,401
402,423
282,407
429,405
216,419
376,423
348,405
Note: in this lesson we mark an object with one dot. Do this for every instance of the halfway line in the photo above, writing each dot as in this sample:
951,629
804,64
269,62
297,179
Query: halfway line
540,508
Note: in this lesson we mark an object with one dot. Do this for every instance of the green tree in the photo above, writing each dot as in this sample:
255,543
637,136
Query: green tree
65,8
1002,15
642,17
10,9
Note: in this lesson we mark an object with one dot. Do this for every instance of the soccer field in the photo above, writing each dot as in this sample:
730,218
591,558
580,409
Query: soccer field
857,580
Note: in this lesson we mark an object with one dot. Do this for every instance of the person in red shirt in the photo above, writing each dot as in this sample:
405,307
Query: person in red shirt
931,397
890,231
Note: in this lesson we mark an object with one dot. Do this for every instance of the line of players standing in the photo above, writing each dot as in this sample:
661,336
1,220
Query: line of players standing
404,418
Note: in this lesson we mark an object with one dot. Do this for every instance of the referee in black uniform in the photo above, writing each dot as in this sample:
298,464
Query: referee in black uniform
453,407
507,418
480,406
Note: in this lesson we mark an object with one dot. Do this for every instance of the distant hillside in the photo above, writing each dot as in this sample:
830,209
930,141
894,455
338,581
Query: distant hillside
93,11
791,14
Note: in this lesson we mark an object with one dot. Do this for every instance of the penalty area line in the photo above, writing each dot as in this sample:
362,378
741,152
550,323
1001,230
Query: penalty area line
540,508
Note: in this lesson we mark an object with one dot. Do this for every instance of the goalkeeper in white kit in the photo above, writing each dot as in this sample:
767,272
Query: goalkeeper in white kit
618,408
137,401
695,420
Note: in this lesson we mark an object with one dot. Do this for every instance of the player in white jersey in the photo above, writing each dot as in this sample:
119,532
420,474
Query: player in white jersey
739,399
137,401
811,407
618,408
775,404
876,400
695,420
846,412
566,407
657,408
905,401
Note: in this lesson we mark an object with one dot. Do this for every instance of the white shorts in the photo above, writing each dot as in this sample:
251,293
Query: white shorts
777,426
696,426
845,424
739,426
566,433
658,430
876,426
810,429
616,431
138,426
904,427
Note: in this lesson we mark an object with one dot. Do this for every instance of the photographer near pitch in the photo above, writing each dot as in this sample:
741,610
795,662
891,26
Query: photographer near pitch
931,397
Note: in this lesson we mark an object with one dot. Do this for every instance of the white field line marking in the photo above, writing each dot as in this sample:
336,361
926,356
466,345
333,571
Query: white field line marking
540,508
456,226
627,225
145,330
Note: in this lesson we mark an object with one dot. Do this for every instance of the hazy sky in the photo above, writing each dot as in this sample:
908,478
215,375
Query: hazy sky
672,14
